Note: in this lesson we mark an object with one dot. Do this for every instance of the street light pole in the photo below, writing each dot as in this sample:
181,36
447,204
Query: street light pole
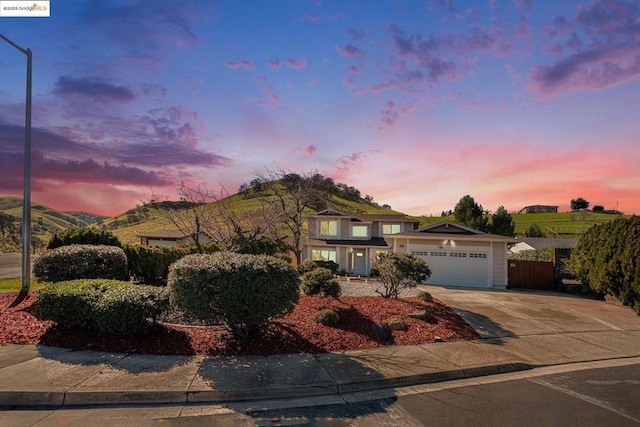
26,199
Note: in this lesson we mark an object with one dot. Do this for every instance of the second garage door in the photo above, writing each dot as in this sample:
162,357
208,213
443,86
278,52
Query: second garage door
456,267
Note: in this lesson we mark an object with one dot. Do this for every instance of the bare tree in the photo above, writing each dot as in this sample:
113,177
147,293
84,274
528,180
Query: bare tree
293,195
204,215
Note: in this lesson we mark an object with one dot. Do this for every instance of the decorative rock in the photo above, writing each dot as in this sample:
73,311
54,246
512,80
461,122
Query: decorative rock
381,331
397,325
438,339
424,315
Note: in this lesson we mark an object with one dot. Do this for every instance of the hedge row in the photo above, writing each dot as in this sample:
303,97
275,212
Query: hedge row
81,262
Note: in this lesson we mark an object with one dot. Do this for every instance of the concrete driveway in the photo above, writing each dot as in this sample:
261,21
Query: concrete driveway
495,314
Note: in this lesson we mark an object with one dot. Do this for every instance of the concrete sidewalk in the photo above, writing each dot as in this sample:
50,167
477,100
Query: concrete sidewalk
520,331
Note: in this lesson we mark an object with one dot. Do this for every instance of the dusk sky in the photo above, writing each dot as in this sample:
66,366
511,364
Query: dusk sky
416,103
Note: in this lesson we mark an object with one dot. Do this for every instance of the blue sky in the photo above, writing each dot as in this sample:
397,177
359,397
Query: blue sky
416,103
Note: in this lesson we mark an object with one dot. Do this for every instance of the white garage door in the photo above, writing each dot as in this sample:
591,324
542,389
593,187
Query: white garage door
456,267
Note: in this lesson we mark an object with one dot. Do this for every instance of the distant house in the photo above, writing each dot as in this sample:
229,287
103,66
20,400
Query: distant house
457,255
167,238
539,209
535,243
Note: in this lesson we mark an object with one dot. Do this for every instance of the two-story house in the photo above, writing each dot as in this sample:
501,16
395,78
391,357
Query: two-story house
352,241
457,255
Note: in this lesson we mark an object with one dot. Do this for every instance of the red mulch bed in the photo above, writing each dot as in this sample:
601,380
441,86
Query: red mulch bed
296,333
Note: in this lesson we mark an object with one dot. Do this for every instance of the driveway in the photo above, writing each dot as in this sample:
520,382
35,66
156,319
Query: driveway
520,313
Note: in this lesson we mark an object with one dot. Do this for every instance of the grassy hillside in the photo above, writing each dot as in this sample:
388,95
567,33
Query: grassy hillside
568,224
143,219
45,222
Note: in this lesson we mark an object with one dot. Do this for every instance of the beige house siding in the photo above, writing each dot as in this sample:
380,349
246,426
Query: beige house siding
499,265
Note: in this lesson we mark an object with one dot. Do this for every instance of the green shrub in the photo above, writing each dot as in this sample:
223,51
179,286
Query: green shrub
81,262
606,260
326,316
307,265
320,280
83,236
130,310
398,271
149,264
244,290
70,304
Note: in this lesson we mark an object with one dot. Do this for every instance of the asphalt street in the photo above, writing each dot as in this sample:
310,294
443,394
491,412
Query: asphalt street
10,265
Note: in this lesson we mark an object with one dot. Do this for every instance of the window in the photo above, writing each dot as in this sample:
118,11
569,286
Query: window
390,228
458,254
329,228
420,253
477,255
324,255
359,231
438,253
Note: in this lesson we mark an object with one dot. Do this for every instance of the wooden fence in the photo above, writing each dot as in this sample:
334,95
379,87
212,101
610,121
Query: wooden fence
537,275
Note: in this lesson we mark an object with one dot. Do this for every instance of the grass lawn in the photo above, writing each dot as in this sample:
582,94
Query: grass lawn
14,285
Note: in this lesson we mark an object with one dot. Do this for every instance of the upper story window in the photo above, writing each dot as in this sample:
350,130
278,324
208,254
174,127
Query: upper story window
359,231
329,227
390,228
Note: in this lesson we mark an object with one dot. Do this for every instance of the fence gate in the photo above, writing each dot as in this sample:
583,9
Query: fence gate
537,275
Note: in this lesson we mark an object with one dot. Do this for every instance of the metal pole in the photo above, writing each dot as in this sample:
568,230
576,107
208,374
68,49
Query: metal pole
26,199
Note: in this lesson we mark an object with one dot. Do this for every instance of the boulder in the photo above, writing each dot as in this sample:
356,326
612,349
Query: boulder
424,315
396,325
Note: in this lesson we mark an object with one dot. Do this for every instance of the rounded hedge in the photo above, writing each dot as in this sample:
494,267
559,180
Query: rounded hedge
131,310
320,280
244,290
106,305
81,262
71,303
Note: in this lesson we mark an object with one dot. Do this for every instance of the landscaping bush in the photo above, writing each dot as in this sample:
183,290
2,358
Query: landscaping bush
308,265
320,280
71,303
149,264
326,317
83,236
81,262
399,270
244,290
130,310
606,260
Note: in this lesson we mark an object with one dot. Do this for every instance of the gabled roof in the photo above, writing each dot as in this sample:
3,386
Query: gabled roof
547,242
448,227
328,212
451,230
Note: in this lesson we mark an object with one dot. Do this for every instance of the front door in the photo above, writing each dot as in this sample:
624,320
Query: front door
359,261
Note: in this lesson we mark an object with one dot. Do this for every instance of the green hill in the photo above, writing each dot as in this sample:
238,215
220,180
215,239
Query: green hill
567,224
146,218
45,222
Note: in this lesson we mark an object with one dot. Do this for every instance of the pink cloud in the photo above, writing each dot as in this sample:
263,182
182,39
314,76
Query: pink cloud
309,149
297,64
269,99
312,17
234,65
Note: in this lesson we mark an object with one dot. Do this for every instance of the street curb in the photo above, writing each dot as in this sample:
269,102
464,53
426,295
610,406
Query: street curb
45,399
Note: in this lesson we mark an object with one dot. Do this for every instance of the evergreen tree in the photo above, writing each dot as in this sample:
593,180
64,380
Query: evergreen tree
502,223
469,213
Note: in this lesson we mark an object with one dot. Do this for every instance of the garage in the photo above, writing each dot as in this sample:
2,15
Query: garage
457,255
456,267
